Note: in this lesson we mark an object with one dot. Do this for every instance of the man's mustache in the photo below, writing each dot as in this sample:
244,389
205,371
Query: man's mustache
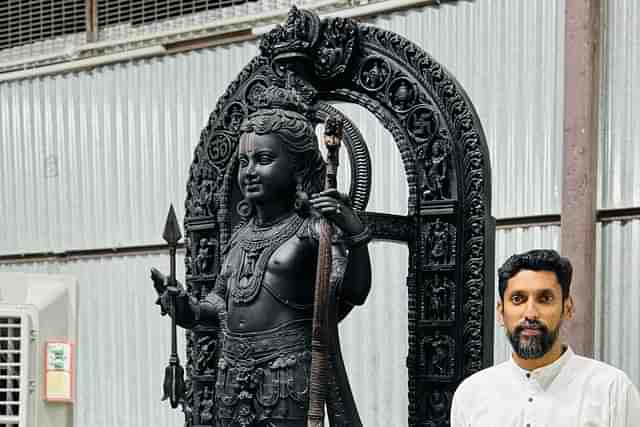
534,324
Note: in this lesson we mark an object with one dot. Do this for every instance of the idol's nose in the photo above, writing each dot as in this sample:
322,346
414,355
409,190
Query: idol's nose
250,171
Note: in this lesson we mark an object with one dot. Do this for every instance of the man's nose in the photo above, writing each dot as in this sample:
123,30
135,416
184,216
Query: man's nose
531,310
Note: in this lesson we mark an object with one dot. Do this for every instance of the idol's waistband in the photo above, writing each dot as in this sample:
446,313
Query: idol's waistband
253,348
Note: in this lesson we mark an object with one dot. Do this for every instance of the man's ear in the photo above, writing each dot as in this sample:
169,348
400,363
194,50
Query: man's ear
499,315
568,308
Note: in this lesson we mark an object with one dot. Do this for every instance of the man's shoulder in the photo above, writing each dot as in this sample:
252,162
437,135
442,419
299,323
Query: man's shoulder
481,379
599,372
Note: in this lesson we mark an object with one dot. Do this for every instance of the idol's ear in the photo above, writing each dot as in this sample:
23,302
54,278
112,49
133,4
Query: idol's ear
299,173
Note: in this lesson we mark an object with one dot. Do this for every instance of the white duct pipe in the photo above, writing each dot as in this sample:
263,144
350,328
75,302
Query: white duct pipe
68,64
84,63
244,21
366,10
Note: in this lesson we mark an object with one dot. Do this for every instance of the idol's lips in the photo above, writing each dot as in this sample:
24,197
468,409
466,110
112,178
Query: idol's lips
252,186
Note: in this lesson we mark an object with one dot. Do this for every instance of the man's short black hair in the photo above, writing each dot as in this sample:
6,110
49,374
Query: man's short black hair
537,260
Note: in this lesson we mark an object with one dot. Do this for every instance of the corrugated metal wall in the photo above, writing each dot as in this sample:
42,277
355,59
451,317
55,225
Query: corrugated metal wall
123,342
619,296
620,106
508,55
618,292
92,159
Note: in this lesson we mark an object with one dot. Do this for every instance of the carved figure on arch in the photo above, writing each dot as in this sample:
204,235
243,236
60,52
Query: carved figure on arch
440,247
438,404
206,406
438,357
439,298
201,187
374,74
402,94
203,262
188,259
436,186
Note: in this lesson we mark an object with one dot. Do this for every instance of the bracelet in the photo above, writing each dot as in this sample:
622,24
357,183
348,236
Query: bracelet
360,239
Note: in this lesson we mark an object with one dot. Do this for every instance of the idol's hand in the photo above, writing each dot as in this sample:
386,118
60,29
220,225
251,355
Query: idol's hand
167,293
181,298
332,205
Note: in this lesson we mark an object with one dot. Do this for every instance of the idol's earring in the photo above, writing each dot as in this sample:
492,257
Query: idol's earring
301,204
244,208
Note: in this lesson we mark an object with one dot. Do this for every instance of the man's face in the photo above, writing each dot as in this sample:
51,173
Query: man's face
532,311
265,172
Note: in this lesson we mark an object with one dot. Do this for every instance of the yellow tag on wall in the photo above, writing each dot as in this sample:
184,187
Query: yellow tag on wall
59,370
58,385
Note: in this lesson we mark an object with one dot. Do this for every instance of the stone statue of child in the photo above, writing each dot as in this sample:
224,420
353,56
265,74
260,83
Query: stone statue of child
263,296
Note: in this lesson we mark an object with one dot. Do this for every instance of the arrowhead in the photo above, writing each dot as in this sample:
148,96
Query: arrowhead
171,229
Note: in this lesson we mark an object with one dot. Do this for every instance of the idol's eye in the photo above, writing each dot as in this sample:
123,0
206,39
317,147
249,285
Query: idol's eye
244,161
265,158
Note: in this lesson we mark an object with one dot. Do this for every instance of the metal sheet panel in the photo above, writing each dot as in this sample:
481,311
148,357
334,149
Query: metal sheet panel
508,55
375,337
123,343
93,159
509,242
375,341
618,294
620,106
87,156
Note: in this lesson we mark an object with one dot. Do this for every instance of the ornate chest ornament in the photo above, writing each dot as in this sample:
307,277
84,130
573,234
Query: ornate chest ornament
257,243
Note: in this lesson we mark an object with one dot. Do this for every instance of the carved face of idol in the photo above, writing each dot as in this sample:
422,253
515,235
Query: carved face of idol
266,174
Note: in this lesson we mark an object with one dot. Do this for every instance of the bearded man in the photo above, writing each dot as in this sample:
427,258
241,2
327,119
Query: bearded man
545,384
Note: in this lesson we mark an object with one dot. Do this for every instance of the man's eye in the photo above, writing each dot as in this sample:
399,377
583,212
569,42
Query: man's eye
546,299
516,299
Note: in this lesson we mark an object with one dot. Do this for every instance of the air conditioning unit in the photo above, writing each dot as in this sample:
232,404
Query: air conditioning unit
38,323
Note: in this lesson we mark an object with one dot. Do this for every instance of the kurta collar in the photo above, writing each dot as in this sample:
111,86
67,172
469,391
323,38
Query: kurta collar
545,375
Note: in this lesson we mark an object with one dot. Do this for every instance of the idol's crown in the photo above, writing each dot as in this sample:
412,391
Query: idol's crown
275,97
295,39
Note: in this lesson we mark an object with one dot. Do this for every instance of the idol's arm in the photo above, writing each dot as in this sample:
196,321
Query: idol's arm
357,277
214,306
188,311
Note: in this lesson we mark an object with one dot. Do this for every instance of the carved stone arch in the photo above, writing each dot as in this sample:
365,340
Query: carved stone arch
448,229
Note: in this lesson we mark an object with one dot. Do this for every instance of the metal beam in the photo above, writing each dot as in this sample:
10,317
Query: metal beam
580,153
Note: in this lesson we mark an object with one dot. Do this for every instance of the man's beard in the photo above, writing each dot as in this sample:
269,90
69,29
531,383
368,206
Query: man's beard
535,346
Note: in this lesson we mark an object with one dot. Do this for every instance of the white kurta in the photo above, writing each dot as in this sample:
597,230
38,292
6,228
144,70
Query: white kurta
574,391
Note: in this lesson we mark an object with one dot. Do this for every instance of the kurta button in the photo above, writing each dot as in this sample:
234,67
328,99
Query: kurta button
528,425
528,375
531,399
